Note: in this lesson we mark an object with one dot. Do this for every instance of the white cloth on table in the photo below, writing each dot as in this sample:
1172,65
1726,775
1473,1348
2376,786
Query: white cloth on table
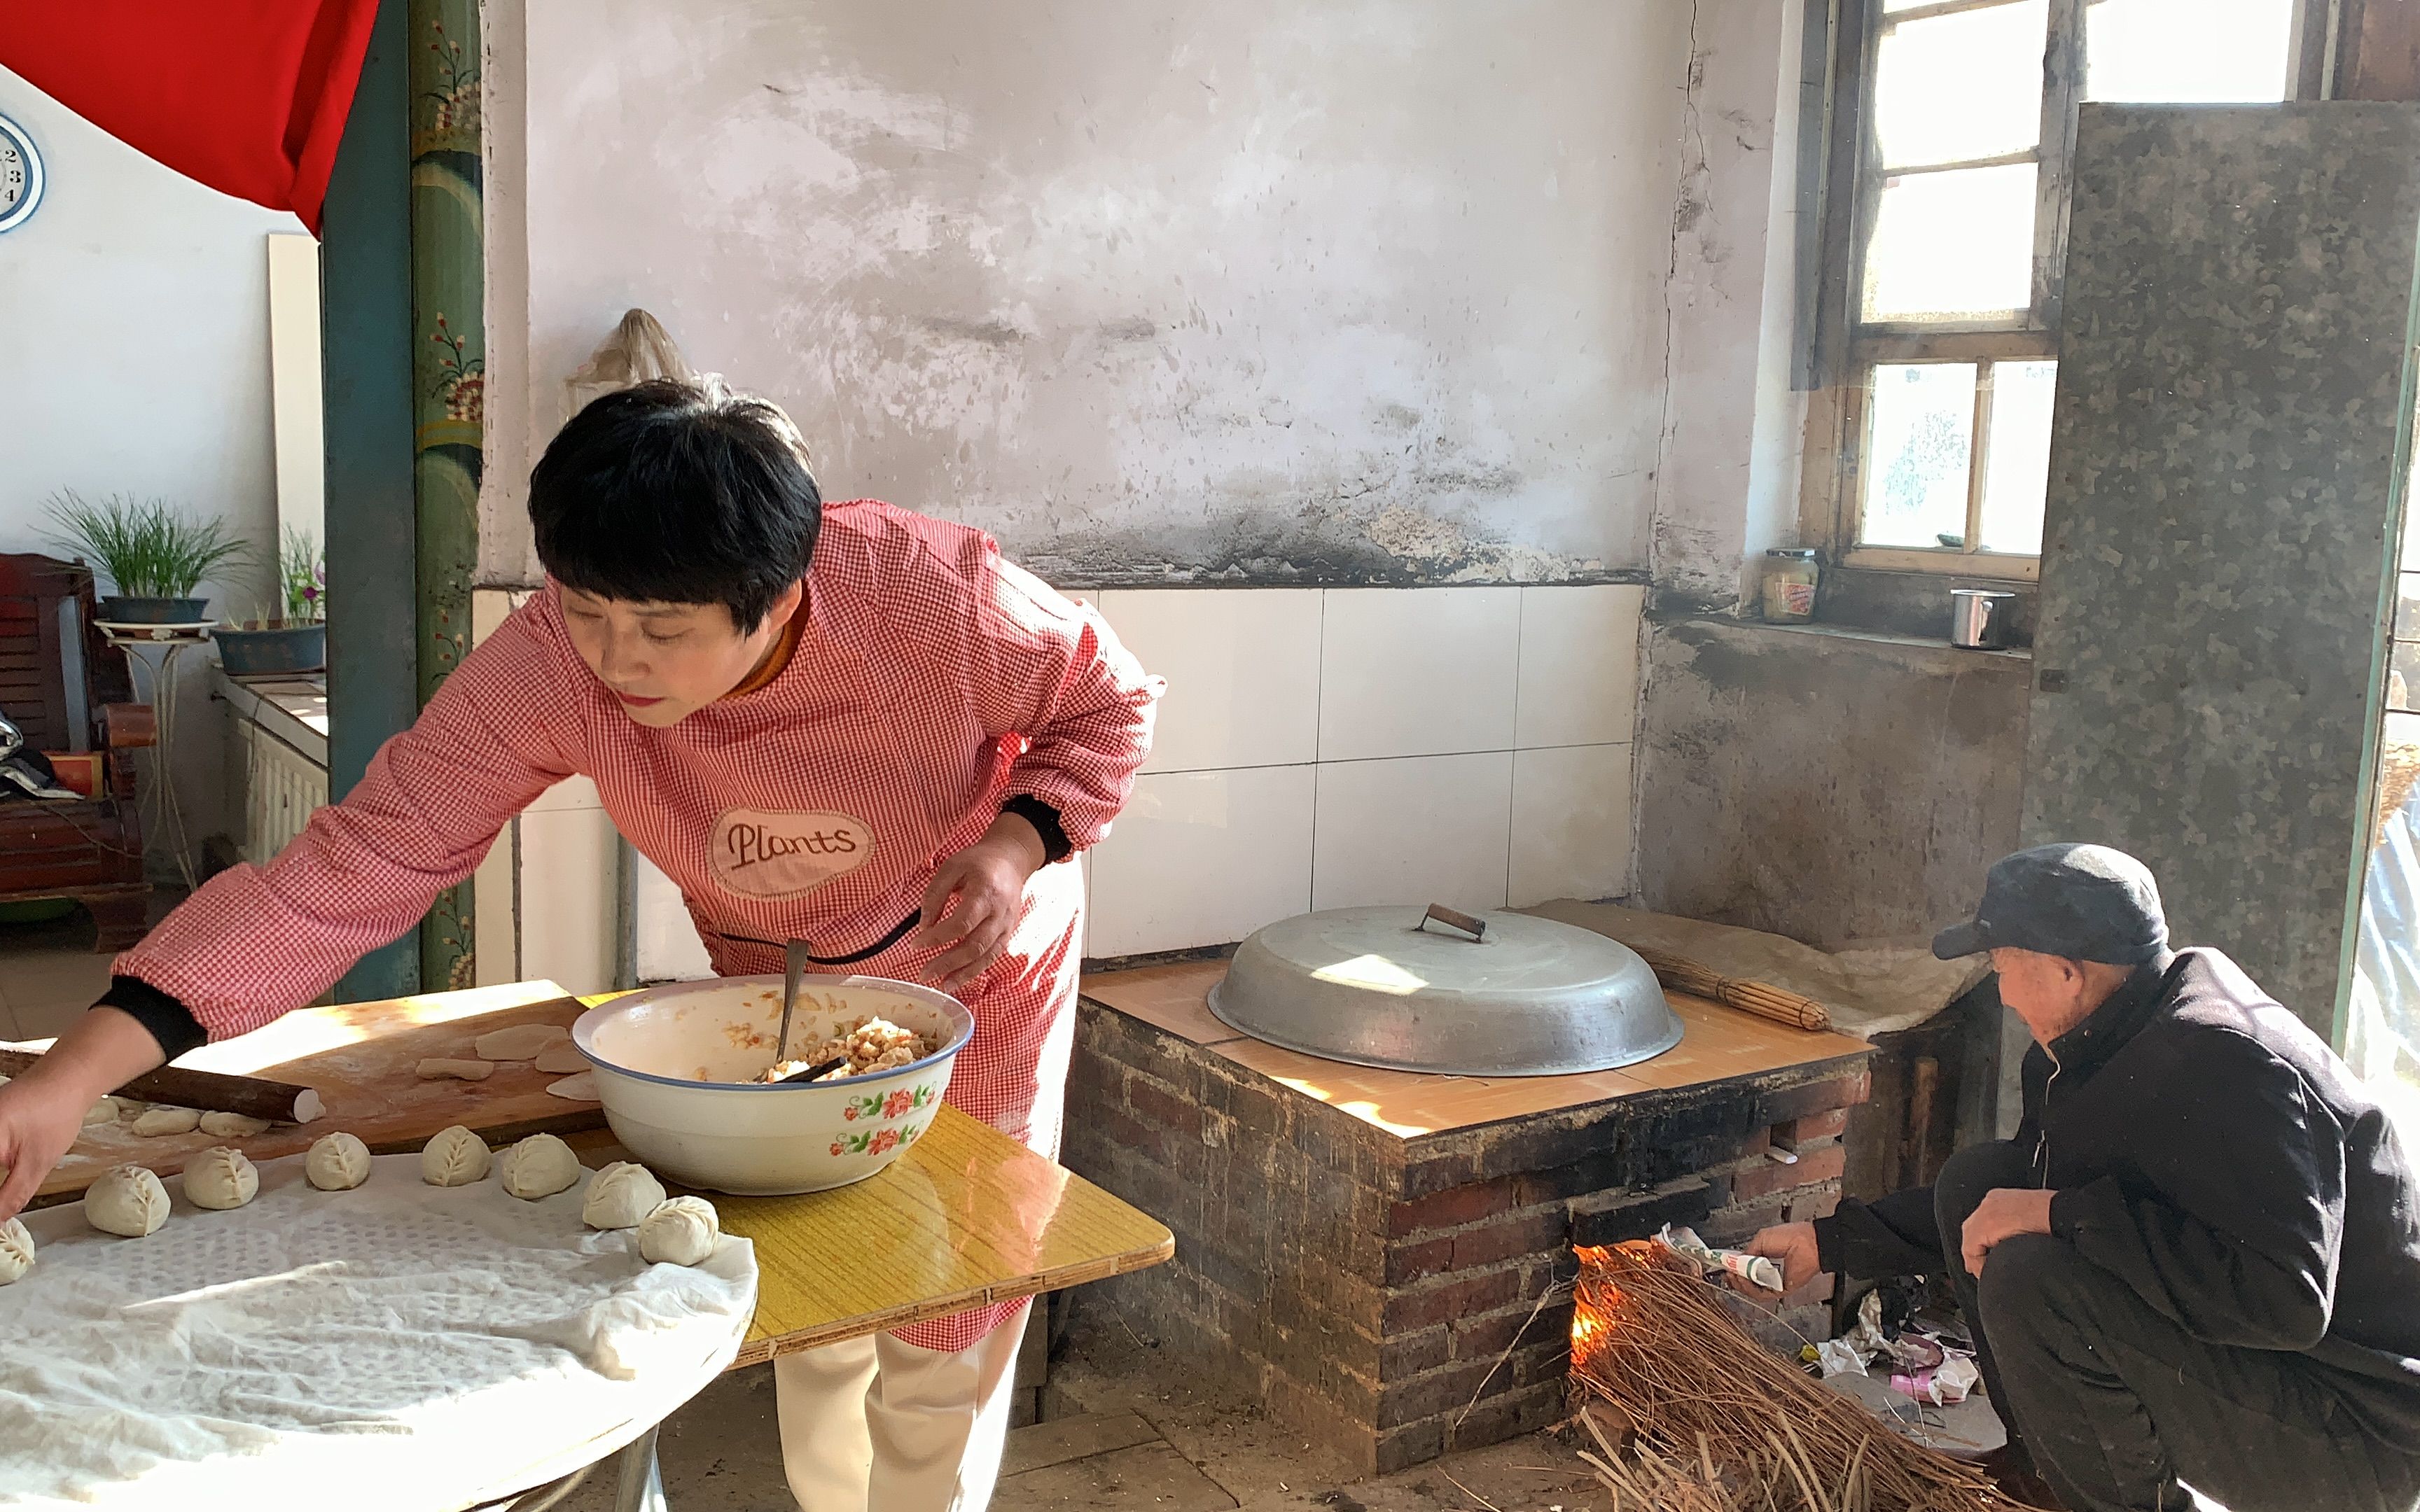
398,1347
880,1424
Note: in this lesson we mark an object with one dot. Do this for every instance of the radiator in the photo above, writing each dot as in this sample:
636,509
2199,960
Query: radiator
281,787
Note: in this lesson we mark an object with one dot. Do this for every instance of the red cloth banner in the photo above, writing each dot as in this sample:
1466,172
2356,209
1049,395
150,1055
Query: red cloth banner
247,96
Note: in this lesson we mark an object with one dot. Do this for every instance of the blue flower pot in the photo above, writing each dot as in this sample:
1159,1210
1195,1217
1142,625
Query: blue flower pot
118,609
300,648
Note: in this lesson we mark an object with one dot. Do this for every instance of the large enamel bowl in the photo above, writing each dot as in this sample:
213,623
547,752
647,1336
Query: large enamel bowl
673,1065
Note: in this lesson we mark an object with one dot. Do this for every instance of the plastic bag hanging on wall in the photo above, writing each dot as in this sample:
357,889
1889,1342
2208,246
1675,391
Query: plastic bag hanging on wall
638,350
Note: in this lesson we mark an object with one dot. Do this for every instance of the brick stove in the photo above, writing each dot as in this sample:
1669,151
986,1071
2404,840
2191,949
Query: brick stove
1363,1247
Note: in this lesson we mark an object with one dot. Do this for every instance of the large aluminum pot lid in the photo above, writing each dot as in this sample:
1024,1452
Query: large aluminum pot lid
1412,989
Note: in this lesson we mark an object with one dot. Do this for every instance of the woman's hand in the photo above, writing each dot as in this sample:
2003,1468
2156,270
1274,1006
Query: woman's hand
43,1111
988,882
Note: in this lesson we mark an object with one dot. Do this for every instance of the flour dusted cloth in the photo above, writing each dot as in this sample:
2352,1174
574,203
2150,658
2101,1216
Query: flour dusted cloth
396,1347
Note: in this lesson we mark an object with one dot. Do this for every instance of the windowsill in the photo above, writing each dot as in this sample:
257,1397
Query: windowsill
1881,637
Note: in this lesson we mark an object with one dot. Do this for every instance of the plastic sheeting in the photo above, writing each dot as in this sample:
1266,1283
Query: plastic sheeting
2382,1027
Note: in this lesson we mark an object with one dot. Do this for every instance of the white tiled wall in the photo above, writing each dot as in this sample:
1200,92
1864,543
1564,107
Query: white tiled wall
557,920
1333,748
1317,749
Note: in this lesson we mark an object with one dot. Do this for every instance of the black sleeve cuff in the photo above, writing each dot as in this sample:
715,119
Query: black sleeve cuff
170,1021
1827,1244
1045,820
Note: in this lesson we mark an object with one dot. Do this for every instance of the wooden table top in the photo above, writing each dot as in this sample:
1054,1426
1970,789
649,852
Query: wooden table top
966,1216
359,1057
1716,1044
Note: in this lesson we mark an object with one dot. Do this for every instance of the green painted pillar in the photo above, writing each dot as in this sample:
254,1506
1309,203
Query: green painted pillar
366,338
449,374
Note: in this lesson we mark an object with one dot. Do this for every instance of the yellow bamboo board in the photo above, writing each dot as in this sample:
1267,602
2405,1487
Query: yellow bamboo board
965,1217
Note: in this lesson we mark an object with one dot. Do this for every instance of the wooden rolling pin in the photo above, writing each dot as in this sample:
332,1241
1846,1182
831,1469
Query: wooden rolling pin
208,1090
1755,997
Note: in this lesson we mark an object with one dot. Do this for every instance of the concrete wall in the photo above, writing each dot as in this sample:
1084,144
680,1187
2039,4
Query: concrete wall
1283,294
1823,785
135,310
1361,291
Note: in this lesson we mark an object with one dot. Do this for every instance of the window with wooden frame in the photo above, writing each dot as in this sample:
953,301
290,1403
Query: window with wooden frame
1946,131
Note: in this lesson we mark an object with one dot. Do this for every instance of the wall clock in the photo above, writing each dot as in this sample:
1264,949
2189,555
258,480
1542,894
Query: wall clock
21,175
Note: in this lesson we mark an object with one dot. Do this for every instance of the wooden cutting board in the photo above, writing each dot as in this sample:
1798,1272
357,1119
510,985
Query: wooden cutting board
360,1057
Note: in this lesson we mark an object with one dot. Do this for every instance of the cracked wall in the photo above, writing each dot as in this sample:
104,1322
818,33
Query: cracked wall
1728,485
1344,291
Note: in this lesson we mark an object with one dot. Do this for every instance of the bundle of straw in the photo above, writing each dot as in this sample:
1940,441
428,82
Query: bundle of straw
1659,1345
1683,975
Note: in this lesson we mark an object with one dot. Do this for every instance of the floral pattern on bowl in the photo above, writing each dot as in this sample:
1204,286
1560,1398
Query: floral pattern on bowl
877,1141
896,1103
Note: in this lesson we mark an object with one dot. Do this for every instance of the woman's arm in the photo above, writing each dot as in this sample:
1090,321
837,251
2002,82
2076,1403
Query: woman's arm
1059,678
256,942
42,1110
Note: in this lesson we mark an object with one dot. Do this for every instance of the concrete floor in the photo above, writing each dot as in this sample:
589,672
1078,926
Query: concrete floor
1125,1427
50,973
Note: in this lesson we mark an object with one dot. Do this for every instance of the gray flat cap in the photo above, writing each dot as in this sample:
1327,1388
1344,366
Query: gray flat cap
2087,903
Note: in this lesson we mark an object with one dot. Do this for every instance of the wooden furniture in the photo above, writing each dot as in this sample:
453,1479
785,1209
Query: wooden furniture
965,1217
359,1057
68,689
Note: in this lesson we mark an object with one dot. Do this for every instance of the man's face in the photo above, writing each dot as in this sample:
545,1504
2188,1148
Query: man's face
664,662
2052,994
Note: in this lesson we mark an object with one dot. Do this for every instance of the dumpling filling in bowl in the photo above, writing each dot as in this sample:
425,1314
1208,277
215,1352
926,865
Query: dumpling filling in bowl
862,1046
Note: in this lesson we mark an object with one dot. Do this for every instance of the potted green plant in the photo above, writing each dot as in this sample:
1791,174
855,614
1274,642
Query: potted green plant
295,640
154,556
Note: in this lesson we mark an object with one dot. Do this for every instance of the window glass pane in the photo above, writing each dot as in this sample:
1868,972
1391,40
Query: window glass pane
2016,458
2204,52
1953,243
1921,426
1953,88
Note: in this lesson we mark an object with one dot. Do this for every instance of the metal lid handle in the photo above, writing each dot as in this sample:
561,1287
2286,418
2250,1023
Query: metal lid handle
1454,918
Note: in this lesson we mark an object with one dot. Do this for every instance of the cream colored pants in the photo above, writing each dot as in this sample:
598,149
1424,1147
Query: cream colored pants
873,1424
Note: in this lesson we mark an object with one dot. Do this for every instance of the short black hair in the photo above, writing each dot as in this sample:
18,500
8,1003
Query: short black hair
678,493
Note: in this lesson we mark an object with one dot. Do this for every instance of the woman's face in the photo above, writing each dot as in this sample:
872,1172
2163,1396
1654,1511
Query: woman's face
666,661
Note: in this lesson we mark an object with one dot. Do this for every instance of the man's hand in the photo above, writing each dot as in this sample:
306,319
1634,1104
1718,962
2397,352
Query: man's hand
987,880
43,1111
2004,1214
1792,1246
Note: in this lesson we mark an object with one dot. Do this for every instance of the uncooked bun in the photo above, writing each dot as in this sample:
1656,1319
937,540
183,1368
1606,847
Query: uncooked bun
457,1157
104,1111
561,1060
221,1178
232,1125
679,1231
518,1042
623,1193
160,1121
338,1163
538,1166
16,1251
127,1200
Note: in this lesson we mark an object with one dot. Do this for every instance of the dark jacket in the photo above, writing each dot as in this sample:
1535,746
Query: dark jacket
2208,1149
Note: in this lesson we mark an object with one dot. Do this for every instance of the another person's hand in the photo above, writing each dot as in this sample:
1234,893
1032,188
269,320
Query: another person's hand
1792,1246
43,1111
2003,1214
988,882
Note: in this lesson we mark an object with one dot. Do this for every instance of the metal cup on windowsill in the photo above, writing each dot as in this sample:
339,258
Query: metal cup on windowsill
1981,619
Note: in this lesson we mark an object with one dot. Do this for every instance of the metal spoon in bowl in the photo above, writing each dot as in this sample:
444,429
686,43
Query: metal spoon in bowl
813,1072
797,954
